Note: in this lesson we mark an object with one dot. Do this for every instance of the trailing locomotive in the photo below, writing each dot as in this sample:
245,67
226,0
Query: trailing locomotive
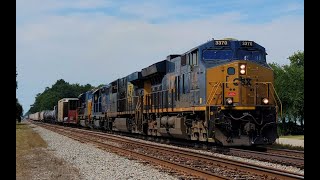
221,91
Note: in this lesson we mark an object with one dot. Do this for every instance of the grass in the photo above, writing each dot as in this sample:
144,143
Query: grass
26,140
300,137
286,146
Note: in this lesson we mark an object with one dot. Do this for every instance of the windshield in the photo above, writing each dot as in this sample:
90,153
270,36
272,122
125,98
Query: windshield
212,54
251,55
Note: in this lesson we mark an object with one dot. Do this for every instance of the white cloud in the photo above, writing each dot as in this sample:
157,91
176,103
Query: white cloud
32,8
293,7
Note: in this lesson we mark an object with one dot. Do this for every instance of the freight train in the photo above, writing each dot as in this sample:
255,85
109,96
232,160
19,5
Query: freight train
220,91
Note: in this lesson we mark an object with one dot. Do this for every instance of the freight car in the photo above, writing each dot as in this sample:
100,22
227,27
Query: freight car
220,91
50,115
67,111
41,117
35,116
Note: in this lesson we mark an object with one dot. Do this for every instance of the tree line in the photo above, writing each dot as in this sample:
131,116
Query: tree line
289,84
51,95
19,109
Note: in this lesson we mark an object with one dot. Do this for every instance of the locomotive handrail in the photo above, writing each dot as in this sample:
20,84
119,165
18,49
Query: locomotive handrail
274,97
217,84
213,87
138,105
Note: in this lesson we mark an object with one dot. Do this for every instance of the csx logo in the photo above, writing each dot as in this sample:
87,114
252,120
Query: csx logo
243,81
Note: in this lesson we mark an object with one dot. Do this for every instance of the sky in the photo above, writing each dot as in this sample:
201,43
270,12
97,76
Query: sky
98,41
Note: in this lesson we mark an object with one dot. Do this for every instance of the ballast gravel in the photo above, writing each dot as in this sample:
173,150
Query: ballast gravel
98,164
94,163
252,161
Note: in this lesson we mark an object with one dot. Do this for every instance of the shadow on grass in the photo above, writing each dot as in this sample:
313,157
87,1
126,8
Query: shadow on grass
287,146
21,125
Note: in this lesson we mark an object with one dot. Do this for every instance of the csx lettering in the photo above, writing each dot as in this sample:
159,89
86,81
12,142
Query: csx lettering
247,43
243,81
221,43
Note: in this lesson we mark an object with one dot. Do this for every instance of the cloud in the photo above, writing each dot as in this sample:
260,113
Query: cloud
293,7
98,47
42,5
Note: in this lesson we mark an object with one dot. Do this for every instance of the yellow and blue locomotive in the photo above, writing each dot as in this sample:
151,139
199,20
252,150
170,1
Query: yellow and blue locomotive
221,91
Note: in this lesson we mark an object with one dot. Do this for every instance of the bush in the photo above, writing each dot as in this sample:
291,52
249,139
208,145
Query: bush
289,128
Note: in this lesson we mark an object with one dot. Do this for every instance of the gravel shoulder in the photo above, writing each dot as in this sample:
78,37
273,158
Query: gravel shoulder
93,163
290,141
96,164
35,161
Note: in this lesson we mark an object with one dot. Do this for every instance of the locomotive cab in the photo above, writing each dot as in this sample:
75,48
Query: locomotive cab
242,100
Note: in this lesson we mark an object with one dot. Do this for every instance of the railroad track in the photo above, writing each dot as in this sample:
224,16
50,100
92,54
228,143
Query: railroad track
188,162
284,157
277,156
286,152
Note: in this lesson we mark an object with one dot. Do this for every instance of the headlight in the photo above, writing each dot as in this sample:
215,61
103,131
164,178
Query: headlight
242,66
242,71
229,101
265,100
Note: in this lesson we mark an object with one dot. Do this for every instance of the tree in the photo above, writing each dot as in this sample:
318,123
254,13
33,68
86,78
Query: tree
296,74
101,85
289,84
51,95
19,109
297,59
281,89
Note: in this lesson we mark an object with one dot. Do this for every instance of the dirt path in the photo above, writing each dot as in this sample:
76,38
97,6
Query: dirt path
34,161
